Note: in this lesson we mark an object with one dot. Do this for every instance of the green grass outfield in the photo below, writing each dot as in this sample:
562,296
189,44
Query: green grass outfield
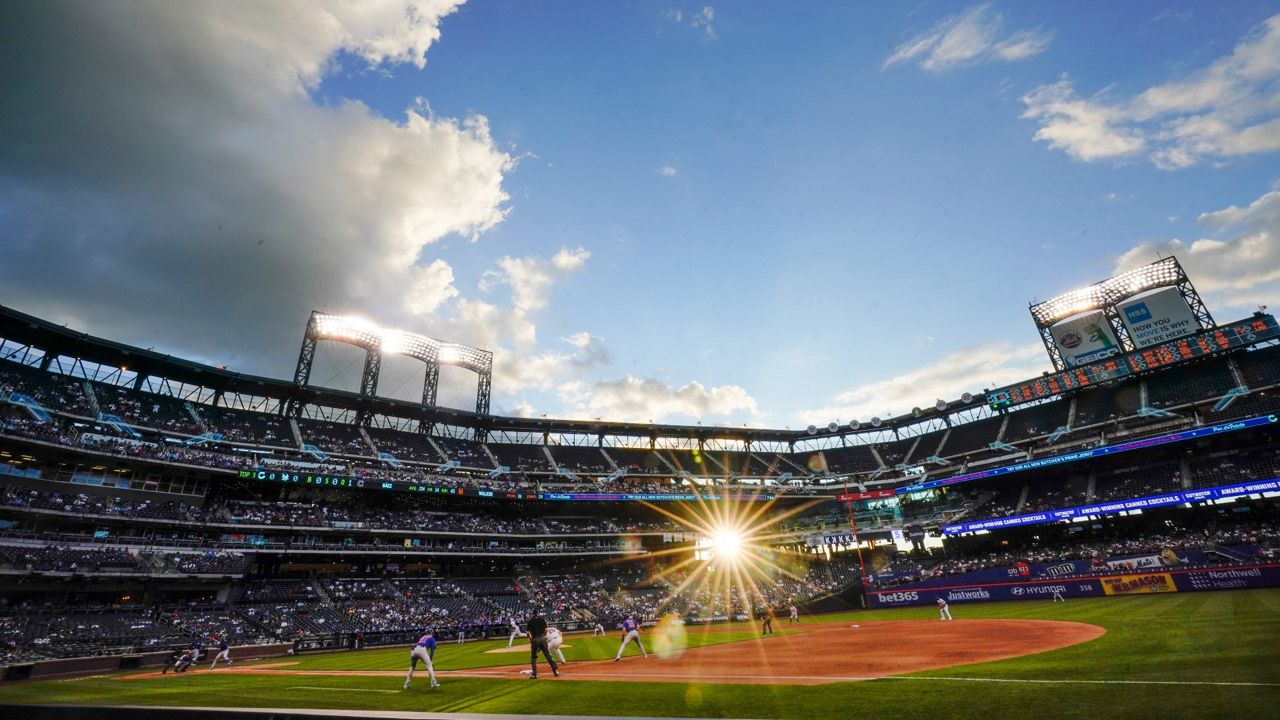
1167,656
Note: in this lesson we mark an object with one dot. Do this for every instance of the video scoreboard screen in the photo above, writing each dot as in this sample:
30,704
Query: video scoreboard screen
1228,337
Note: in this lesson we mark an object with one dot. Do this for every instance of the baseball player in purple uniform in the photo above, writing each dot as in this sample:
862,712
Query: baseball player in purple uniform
424,651
224,653
630,631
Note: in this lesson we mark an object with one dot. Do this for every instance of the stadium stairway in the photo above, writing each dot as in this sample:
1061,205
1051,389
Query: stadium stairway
91,399
364,434
555,466
297,432
195,417
489,454
444,456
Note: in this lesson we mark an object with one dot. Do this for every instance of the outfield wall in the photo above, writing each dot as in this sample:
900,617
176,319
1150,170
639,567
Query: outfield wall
1129,582
64,667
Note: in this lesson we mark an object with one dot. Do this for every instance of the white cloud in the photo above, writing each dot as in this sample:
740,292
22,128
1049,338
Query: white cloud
208,193
516,371
1086,129
1227,109
531,278
969,38
704,19
635,399
968,370
1238,269
667,171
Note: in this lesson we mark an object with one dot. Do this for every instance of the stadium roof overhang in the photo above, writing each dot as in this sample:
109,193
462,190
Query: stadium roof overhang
58,340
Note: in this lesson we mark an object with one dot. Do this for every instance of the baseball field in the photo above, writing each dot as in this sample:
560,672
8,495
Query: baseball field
1195,655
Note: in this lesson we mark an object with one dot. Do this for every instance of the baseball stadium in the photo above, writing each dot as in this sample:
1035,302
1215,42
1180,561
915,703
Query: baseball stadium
1103,536
438,510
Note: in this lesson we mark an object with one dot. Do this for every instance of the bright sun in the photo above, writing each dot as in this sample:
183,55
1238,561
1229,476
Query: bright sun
726,543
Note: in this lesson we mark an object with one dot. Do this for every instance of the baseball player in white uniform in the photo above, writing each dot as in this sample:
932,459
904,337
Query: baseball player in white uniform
423,652
1057,595
795,614
943,610
599,631
630,631
515,631
554,640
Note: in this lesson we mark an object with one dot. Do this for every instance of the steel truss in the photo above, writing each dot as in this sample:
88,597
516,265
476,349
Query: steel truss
1107,295
378,341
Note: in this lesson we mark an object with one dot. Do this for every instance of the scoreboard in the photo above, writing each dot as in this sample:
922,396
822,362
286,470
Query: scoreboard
1227,337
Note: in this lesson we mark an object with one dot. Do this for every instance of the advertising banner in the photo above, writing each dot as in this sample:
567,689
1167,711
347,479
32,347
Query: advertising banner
1156,317
1084,339
1136,563
1188,580
1138,584
865,495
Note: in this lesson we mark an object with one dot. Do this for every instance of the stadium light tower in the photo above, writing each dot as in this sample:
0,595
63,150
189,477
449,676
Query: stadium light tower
377,341
1107,295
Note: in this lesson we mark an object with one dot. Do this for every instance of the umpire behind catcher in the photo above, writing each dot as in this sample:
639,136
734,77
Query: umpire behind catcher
537,629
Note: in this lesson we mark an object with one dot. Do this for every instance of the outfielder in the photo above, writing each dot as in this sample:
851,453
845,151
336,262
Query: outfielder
1057,595
515,630
943,610
425,651
630,631
599,630
554,640
224,653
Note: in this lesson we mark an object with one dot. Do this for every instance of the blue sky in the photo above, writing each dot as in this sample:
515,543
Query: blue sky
814,211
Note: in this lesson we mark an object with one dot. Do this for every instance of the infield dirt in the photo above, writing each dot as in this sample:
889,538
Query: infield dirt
819,653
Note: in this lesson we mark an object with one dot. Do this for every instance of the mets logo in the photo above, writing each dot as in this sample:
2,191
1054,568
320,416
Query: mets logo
1070,339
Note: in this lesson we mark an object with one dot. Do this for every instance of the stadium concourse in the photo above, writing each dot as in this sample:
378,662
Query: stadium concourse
168,504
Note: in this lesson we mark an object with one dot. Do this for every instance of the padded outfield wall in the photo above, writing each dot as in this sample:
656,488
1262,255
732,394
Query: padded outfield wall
1070,581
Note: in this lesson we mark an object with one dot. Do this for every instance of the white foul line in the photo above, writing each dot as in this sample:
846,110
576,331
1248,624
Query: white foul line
1082,682
338,689
837,678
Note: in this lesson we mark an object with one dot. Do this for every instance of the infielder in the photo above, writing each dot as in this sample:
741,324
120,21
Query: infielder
943,610
425,651
224,652
630,631
766,622
515,630
554,640
795,614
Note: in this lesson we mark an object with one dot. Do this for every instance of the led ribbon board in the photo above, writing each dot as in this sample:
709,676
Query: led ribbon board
1093,453
351,483
1118,506
1240,334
